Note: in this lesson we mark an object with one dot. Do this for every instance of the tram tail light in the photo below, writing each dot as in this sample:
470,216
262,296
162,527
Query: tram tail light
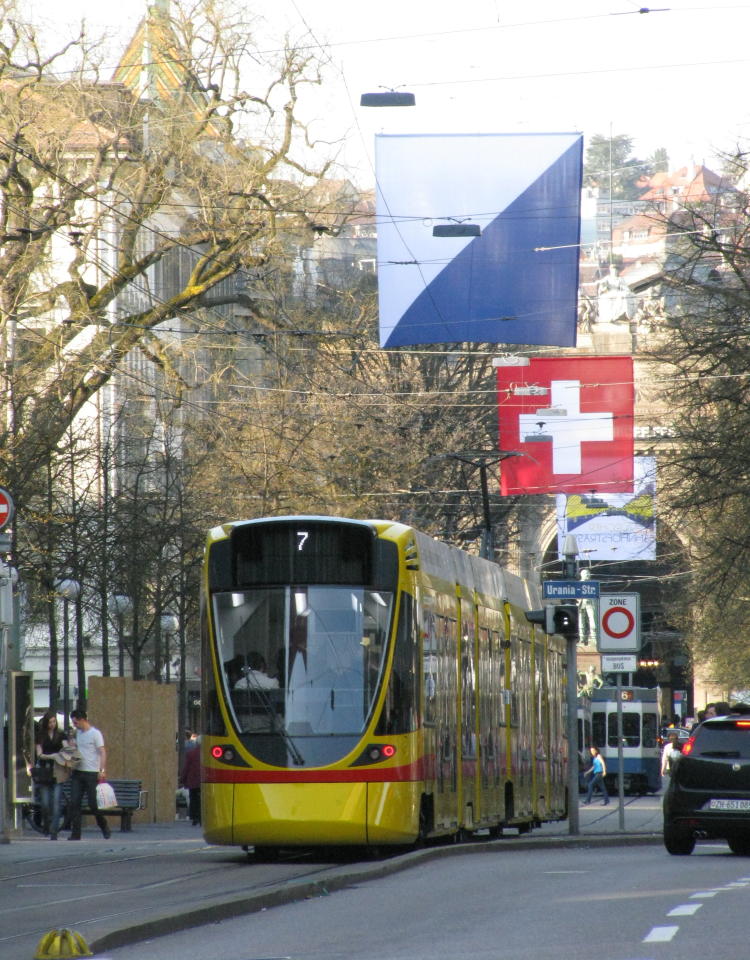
375,753
223,752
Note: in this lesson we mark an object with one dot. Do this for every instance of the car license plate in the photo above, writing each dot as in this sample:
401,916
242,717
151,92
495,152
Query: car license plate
729,804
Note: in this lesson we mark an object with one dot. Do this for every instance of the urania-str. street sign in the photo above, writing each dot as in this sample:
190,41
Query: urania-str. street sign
570,589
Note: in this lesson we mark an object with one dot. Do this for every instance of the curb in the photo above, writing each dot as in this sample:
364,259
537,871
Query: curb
291,891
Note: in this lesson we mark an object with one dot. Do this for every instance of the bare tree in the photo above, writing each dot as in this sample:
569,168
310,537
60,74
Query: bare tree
124,205
705,351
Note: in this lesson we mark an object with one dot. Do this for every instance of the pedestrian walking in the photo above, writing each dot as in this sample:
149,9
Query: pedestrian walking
84,779
50,739
598,771
671,748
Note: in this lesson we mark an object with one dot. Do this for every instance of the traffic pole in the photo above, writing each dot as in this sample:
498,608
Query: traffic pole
6,622
570,566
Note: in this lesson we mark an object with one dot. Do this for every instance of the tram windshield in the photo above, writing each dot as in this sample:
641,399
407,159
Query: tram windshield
301,661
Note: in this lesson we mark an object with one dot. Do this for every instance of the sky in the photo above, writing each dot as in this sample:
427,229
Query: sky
673,77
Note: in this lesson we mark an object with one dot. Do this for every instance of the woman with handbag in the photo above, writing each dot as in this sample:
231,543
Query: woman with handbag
49,775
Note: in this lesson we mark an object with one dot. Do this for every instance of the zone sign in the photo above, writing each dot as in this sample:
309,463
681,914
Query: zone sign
620,623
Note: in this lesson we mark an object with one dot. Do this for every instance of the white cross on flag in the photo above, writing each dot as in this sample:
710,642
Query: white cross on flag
571,422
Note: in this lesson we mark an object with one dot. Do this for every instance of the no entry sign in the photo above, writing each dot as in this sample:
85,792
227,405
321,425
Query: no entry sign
620,623
6,508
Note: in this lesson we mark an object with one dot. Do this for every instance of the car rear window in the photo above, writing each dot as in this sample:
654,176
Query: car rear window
725,738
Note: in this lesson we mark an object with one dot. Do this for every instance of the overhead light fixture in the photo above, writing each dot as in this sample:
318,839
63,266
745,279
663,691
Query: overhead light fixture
456,230
388,98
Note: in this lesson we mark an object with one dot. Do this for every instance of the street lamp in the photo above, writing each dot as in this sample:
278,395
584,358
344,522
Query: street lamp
68,590
169,627
123,605
387,98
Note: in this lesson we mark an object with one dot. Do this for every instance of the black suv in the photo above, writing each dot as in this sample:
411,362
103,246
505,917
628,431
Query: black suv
709,789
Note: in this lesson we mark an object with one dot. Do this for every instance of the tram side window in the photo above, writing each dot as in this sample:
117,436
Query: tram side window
514,680
212,722
631,730
498,661
598,730
401,707
429,666
649,729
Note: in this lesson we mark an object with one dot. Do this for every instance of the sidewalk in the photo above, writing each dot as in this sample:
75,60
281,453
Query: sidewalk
159,878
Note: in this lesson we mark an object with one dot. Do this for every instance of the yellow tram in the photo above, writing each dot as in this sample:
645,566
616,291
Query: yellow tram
364,684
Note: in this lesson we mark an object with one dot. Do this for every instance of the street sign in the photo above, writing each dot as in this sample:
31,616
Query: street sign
620,623
570,589
619,663
6,508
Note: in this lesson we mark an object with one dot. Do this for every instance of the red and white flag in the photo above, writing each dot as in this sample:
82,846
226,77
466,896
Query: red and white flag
571,422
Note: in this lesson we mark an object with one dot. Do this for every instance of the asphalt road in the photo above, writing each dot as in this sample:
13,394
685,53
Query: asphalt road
619,902
163,877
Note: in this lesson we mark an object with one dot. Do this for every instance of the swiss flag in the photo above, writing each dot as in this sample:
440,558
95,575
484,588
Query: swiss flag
571,422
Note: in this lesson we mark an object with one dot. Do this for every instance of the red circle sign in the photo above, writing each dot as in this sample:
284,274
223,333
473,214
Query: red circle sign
618,634
6,508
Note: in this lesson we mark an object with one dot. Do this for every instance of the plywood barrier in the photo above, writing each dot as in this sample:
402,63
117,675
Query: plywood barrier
138,719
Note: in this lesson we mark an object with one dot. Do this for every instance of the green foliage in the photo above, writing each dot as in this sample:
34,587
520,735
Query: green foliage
609,164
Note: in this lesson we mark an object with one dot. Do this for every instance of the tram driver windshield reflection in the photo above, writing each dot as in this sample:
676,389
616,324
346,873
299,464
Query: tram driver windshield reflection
302,661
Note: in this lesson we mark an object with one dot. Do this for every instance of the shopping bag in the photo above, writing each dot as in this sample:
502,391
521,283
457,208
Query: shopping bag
105,796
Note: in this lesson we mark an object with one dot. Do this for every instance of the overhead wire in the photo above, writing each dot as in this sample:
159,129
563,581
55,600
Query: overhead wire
227,332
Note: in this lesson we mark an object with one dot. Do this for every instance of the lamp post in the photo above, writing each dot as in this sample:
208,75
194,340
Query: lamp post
68,590
123,605
169,627
482,459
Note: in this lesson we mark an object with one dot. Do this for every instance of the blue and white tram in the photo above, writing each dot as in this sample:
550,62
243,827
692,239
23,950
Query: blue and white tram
640,736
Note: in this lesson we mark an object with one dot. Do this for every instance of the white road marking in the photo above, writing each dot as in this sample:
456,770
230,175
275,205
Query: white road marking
660,934
685,910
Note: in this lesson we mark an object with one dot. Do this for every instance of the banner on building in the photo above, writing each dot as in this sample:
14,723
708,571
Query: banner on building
568,423
516,279
615,526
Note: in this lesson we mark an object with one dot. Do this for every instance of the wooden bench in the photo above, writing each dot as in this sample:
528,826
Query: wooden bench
130,797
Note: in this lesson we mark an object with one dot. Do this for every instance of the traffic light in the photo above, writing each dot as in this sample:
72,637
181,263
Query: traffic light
562,619
565,620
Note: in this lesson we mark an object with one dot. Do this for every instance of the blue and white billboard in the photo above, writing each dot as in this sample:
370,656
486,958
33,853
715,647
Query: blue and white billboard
515,283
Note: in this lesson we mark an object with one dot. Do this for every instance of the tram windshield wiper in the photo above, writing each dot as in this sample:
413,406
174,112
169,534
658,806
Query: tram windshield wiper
262,698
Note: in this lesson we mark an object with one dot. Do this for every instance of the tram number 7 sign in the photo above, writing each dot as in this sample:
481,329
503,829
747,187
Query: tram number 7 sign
620,623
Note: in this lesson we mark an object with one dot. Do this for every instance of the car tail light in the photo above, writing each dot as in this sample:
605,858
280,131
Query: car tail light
688,745
743,723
